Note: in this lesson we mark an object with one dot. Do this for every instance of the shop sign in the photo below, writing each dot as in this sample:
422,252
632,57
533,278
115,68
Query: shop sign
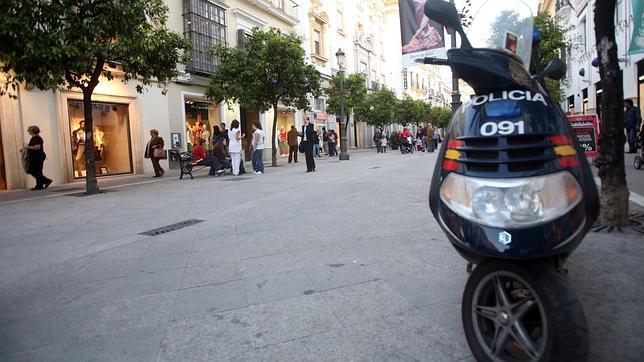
321,116
586,128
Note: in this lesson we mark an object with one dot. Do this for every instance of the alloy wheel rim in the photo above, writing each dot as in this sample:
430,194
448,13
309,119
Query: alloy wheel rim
509,318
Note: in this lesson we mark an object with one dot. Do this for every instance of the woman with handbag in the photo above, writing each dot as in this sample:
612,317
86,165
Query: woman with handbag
36,158
154,151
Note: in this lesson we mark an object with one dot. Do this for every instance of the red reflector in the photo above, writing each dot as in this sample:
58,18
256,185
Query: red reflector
452,144
560,140
569,161
449,165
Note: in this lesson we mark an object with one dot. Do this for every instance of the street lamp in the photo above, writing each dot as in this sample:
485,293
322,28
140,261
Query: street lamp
344,156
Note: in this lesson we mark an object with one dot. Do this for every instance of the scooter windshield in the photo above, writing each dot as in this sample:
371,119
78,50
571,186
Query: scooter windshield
504,25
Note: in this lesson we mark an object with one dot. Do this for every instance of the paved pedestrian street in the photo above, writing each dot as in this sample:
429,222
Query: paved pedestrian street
344,264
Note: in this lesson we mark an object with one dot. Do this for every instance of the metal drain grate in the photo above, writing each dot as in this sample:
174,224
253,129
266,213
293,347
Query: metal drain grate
237,179
166,229
374,167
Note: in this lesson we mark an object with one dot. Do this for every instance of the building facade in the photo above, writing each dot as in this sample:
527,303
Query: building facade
582,87
123,117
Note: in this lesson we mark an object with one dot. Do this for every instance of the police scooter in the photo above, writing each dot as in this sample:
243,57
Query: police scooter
512,191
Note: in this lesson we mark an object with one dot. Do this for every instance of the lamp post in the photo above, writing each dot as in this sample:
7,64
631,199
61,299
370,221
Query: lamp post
344,156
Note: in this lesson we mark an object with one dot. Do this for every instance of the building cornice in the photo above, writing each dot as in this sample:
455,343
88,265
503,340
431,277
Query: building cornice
272,9
250,18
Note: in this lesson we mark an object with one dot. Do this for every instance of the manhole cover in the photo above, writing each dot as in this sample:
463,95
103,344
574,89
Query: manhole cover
172,227
374,168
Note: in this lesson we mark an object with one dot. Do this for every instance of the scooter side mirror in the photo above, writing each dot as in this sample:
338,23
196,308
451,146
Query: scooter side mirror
556,70
446,14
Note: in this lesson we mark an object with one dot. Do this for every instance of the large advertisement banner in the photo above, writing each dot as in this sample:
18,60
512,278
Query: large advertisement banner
587,129
637,41
421,37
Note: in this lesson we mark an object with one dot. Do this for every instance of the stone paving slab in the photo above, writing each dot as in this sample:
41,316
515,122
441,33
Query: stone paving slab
345,264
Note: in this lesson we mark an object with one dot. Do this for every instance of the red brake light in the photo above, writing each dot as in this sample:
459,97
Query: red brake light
449,165
453,144
560,140
569,161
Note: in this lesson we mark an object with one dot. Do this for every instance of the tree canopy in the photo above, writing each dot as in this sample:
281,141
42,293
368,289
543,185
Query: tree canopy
378,108
355,93
440,116
412,111
553,43
267,70
70,43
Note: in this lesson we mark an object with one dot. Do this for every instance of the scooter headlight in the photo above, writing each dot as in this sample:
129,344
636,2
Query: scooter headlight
511,203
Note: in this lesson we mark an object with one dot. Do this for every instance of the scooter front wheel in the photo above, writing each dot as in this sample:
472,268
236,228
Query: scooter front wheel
516,312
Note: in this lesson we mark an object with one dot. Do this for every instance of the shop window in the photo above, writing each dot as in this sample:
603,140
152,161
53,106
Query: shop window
3,175
317,38
204,27
318,23
584,97
571,104
111,132
201,118
319,104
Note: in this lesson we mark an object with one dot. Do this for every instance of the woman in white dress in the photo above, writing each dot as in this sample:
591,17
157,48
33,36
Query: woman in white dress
234,148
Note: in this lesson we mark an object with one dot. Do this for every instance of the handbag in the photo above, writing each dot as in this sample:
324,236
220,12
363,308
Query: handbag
302,147
159,153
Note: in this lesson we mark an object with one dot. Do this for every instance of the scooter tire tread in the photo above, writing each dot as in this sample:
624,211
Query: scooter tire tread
568,331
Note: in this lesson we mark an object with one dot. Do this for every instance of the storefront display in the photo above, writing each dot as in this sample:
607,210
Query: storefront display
111,134
3,175
201,117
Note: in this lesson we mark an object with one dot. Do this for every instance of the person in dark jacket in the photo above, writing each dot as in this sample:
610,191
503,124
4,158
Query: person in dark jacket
155,142
308,138
36,158
632,119
292,144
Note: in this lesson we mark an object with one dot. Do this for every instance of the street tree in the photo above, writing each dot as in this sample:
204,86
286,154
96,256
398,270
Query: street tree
378,109
268,70
70,43
553,42
440,116
412,111
355,94
614,190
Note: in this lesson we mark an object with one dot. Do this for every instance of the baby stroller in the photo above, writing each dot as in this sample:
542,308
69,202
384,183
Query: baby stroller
406,145
639,158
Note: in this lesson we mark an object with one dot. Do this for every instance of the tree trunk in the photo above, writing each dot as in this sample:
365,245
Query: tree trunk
614,191
275,136
91,184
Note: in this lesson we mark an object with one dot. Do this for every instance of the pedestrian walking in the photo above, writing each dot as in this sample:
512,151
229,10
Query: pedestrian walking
234,145
325,141
632,119
332,144
423,137
308,138
35,157
257,148
430,138
292,144
316,144
376,139
154,151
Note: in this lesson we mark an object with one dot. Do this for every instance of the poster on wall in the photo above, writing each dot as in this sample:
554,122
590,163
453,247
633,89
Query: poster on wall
420,36
586,128
637,39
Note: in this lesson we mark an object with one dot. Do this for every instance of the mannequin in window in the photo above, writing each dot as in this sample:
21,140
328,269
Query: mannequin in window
78,147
